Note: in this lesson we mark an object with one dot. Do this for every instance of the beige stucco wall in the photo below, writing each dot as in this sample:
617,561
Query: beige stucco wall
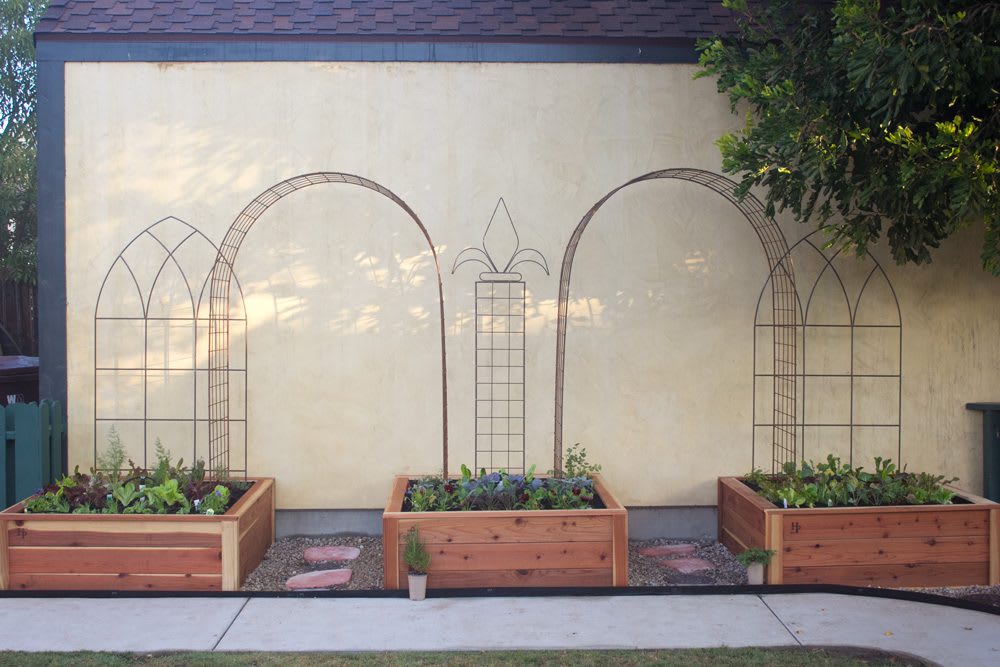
340,290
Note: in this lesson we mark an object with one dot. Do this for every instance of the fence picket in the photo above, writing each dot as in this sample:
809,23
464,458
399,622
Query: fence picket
7,458
32,452
27,452
56,469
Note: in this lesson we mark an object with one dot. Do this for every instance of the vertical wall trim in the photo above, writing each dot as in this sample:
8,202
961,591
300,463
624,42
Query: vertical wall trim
51,109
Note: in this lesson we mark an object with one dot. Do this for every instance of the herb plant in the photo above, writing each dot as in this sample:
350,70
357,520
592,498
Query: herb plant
416,556
755,555
575,463
836,484
115,487
500,491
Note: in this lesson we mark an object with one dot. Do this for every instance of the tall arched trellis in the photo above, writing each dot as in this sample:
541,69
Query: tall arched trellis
222,275
783,293
866,340
127,330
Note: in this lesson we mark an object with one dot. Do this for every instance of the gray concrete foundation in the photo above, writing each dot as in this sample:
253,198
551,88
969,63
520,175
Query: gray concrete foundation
644,523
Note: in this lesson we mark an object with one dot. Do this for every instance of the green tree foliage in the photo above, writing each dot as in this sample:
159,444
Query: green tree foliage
18,225
864,115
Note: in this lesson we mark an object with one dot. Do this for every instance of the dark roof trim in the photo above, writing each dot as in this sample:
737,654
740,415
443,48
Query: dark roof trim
244,50
468,20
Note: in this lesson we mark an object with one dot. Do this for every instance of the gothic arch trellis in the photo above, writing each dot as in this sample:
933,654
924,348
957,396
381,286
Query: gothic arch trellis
784,301
852,374
142,365
221,279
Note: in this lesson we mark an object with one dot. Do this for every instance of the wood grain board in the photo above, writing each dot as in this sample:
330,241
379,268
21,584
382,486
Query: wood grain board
511,548
911,545
137,552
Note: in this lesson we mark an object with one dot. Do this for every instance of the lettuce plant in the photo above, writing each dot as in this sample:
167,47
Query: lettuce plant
499,491
836,484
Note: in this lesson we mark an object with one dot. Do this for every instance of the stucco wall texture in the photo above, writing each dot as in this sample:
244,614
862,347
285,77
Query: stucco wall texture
343,351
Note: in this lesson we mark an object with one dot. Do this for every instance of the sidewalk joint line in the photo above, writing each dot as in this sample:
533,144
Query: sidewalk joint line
246,601
761,598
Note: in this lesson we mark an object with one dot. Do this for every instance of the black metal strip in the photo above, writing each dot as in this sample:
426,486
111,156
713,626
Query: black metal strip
630,591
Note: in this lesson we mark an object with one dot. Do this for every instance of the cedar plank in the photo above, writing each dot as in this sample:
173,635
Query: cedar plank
871,523
519,578
538,556
35,535
738,504
742,534
900,550
39,560
116,582
898,574
520,526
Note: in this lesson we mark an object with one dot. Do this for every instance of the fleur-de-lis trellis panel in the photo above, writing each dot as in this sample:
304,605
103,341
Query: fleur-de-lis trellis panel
500,303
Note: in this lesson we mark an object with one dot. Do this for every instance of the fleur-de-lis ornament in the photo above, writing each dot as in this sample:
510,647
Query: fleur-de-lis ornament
501,250
500,331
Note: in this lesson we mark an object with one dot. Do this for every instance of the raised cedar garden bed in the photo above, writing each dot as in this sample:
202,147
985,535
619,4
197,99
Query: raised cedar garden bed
490,549
170,552
900,545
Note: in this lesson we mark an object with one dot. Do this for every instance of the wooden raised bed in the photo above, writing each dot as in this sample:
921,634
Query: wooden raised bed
171,552
901,545
511,548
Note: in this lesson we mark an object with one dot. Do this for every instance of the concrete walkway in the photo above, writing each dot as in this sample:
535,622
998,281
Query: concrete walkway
945,635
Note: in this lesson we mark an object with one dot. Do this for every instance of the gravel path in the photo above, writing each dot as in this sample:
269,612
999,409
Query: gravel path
284,559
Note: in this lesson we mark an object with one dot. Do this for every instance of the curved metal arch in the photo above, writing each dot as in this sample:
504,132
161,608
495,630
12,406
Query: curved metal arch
222,272
772,241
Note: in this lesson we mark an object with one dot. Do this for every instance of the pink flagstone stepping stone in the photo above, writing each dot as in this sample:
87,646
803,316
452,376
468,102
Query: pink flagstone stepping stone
667,550
318,579
326,554
686,565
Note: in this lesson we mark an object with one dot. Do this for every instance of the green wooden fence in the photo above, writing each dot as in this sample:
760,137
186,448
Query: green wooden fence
32,450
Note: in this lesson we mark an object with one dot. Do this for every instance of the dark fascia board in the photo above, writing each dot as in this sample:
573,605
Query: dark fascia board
104,48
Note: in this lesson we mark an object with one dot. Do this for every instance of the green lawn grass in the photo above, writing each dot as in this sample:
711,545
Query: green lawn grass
750,657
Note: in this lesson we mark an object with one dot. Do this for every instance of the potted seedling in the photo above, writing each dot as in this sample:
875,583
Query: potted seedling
417,561
755,560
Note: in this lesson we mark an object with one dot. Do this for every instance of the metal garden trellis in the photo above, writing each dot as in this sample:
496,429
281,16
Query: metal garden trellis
783,294
500,316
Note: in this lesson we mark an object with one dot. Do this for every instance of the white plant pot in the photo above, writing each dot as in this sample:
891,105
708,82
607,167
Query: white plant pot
755,574
418,586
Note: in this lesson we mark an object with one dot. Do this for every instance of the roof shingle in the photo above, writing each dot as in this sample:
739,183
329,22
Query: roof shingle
611,20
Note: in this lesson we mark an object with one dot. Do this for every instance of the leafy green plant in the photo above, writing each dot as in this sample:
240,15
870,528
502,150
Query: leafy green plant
115,487
499,491
575,463
112,460
868,117
836,484
215,502
755,555
415,555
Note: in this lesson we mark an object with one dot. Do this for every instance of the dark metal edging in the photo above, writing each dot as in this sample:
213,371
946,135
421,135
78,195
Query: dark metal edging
794,589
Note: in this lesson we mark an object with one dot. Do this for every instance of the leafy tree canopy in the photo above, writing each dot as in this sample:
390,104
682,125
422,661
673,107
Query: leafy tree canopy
17,139
864,115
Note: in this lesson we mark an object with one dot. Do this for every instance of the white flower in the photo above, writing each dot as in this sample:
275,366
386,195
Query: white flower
209,511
